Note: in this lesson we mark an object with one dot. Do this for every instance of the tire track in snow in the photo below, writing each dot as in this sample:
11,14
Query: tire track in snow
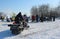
39,31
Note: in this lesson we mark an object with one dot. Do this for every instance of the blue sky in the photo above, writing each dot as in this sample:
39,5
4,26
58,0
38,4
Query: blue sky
9,6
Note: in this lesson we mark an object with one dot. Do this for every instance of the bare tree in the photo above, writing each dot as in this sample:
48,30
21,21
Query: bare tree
58,10
34,10
13,16
43,10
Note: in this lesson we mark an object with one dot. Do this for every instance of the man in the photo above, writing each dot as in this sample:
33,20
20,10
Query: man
18,18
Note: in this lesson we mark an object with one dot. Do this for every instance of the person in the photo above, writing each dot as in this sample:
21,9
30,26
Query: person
2,18
18,18
41,18
37,17
53,18
33,18
7,19
25,18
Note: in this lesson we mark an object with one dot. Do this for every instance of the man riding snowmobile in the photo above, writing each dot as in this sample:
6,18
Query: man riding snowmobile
20,19
18,25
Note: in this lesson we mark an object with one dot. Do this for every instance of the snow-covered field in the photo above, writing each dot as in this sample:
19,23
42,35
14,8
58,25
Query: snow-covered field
40,30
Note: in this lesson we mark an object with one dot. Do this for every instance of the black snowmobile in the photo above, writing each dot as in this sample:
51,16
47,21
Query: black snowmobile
17,28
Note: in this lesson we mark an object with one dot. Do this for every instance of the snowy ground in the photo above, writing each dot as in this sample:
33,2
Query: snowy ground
41,30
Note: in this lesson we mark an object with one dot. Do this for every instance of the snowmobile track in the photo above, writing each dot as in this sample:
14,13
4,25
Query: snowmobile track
31,33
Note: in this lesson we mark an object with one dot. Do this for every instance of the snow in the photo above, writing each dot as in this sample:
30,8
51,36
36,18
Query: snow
40,30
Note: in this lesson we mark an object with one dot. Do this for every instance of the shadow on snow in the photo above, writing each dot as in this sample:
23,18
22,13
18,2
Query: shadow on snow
5,34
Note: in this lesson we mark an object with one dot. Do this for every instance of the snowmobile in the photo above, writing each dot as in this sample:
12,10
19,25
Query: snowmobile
17,28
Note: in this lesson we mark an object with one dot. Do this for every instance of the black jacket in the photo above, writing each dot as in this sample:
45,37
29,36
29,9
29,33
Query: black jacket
18,18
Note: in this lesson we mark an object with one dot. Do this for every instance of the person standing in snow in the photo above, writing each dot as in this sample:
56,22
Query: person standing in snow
33,18
41,18
53,18
37,17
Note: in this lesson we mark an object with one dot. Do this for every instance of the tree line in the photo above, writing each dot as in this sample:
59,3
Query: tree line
45,11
